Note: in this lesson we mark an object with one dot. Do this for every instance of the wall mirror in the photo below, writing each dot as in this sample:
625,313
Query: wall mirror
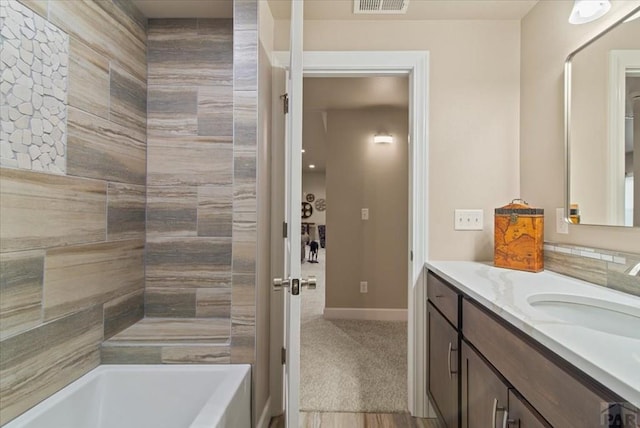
602,127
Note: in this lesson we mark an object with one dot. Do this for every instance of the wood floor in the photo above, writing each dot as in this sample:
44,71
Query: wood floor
357,420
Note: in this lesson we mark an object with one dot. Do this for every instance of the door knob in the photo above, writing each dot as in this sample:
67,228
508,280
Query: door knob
310,282
278,283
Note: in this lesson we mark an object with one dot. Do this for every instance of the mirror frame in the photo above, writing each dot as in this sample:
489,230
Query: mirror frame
567,119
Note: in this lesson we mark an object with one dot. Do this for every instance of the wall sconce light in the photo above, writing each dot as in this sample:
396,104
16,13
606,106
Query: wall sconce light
588,10
382,139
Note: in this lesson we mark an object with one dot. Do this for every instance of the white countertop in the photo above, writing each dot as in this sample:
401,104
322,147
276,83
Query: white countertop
611,359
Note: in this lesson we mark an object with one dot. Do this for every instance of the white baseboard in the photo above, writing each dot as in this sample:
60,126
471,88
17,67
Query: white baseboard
372,314
265,418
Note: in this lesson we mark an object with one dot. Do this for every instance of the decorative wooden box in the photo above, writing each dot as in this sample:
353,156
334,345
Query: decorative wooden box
519,237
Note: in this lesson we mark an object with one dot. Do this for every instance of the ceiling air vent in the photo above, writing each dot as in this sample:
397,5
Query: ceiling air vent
376,7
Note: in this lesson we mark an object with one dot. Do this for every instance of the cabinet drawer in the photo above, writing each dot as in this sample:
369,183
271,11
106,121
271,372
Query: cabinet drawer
443,297
559,397
521,415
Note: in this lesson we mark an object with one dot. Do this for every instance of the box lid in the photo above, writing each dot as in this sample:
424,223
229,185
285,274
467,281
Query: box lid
520,207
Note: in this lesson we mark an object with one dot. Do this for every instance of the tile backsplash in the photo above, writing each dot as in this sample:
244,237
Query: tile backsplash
612,269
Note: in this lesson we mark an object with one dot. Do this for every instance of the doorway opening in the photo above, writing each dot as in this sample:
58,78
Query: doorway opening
354,325
413,64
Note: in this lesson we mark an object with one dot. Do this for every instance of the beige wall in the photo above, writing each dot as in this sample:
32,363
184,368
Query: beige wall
359,175
72,245
547,39
314,182
474,97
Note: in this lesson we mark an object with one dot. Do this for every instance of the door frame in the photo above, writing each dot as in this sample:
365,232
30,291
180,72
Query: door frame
414,64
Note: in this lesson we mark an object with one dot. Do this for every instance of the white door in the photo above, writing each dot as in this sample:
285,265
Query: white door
292,283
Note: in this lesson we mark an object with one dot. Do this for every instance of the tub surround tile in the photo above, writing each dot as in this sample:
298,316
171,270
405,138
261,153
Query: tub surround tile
215,211
215,110
172,112
244,289
243,320
88,79
244,257
170,302
128,102
172,211
196,355
170,354
104,150
245,59
38,6
128,17
122,312
245,130
188,262
21,277
43,210
87,20
58,352
207,50
190,161
243,350
245,15
78,277
131,354
245,225
213,302
165,331
125,211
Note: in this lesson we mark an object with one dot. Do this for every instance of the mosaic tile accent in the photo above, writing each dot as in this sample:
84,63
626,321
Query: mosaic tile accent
612,269
34,69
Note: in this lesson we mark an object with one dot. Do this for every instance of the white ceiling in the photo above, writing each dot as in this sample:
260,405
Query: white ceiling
343,9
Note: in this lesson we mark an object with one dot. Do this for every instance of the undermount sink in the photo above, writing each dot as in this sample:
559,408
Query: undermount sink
602,315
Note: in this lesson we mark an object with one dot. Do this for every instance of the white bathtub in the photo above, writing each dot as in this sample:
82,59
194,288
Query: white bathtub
154,396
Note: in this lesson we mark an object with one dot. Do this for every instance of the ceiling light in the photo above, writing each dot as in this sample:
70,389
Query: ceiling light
312,166
588,10
382,139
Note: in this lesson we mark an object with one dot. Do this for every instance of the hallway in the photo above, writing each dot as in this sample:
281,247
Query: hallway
349,365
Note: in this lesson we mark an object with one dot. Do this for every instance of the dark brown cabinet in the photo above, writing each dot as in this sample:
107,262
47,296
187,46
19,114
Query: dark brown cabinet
483,372
488,400
443,361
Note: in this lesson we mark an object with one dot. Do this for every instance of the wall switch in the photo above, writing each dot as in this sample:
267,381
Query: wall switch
363,287
561,225
468,220
365,214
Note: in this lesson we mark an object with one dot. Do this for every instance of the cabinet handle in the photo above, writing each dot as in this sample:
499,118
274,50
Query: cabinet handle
451,348
494,414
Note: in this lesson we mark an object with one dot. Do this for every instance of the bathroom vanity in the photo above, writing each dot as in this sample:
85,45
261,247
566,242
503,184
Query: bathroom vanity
517,349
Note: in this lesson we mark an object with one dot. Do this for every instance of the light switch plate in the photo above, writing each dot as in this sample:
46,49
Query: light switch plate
365,214
364,287
561,225
468,220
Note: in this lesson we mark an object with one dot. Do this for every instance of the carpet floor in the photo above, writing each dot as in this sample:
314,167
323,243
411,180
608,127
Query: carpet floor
349,365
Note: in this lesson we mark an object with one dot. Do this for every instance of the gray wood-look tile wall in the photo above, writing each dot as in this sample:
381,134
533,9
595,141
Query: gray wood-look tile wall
201,178
71,253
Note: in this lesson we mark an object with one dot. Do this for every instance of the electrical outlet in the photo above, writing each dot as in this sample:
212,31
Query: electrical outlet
365,214
561,224
364,287
468,220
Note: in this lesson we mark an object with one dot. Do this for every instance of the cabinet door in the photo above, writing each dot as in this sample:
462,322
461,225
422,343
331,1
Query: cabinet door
521,416
484,394
443,367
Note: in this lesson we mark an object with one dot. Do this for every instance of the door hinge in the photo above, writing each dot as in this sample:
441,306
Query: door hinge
285,103
285,229
283,356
